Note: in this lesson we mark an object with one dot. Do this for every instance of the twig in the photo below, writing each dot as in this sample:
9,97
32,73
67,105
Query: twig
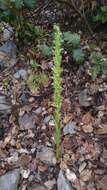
38,10
82,15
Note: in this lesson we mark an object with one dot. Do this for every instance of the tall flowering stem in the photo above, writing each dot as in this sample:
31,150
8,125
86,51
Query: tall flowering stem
57,85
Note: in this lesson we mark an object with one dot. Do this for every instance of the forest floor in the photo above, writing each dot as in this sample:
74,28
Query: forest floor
27,127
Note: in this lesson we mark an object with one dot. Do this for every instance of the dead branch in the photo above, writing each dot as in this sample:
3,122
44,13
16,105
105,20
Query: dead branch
81,14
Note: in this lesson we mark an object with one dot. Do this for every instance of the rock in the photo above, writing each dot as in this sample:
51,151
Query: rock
63,183
101,130
7,33
38,187
86,175
46,155
38,111
70,128
26,122
10,180
5,107
50,184
5,60
87,128
84,100
47,119
21,74
24,98
9,48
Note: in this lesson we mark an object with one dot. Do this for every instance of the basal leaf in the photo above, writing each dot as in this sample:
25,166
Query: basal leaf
70,38
30,3
78,55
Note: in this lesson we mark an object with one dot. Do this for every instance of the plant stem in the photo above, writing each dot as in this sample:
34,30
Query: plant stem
57,89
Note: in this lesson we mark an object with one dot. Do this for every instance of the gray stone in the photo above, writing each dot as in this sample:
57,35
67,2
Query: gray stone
21,74
46,155
50,184
24,97
70,128
47,119
2,63
26,122
7,33
38,110
63,183
84,99
9,48
5,60
38,187
4,105
10,180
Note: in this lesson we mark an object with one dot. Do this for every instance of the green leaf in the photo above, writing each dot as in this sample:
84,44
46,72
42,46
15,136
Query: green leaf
97,17
95,70
78,55
104,9
104,69
101,15
46,50
30,3
5,14
96,57
99,62
18,4
70,38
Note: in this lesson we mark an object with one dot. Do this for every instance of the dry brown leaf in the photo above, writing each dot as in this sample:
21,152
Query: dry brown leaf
67,118
42,168
87,118
102,130
66,105
24,160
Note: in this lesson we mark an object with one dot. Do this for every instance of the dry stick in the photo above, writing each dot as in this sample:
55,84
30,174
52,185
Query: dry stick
35,12
39,9
82,15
